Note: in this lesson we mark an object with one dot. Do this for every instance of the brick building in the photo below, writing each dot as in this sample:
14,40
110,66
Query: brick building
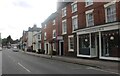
85,29
49,33
90,29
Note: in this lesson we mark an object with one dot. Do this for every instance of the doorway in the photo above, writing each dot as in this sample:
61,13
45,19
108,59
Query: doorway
61,48
95,45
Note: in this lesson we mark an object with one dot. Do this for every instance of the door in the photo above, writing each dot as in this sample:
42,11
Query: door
95,45
46,48
61,48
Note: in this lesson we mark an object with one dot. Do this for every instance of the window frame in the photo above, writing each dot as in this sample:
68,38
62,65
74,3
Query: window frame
89,12
105,7
54,22
73,28
69,47
54,31
65,12
72,6
87,3
63,27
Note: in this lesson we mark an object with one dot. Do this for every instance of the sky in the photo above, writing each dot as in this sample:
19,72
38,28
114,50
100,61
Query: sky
18,15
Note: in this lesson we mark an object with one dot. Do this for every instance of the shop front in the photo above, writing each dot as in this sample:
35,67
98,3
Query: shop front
99,42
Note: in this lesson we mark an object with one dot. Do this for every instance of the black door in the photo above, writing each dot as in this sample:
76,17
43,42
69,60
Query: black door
62,48
46,48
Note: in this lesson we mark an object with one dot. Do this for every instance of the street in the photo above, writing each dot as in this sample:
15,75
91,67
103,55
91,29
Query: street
21,63
0,62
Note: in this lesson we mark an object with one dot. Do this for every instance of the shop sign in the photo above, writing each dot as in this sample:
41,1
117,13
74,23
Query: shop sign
59,37
93,30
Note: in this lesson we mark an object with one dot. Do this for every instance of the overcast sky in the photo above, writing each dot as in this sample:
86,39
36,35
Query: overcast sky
18,15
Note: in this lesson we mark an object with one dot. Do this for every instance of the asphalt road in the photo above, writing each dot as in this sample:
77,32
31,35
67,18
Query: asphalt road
21,63
0,62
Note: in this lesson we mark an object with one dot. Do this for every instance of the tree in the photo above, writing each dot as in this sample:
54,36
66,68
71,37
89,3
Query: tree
9,40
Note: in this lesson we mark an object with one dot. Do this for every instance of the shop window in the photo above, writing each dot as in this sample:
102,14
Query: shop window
71,43
110,44
84,44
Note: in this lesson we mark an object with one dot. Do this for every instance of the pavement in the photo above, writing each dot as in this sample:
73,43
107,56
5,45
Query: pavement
111,66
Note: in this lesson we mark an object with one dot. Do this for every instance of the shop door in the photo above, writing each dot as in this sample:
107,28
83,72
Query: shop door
95,45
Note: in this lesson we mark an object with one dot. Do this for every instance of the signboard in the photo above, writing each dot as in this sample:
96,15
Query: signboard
59,37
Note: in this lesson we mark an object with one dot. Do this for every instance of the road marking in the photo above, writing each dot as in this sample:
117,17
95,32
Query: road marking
24,67
102,70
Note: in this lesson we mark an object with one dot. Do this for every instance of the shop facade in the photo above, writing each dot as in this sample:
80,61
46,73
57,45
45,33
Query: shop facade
99,42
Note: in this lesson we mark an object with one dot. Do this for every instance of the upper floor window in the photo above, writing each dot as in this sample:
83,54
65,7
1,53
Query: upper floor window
45,26
39,36
45,36
89,18
64,12
74,7
54,33
74,22
53,22
110,12
64,27
89,2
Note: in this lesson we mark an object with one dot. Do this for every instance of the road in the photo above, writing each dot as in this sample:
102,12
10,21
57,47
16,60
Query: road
0,63
21,63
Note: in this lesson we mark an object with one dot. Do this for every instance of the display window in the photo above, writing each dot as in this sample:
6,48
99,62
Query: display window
110,44
84,44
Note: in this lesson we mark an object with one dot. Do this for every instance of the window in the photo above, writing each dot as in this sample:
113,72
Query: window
45,36
84,44
64,12
89,18
89,2
54,46
64,27
54,33
53,22
71,43
74,7
74,22
45,26
38,36
110,12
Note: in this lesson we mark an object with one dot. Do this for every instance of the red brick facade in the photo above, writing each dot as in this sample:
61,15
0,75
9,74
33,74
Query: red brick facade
99,21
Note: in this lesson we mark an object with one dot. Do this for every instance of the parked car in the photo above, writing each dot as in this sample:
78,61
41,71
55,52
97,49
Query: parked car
15,49
0,48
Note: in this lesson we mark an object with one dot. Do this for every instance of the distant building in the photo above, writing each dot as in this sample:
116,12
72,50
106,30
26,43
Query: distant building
28,37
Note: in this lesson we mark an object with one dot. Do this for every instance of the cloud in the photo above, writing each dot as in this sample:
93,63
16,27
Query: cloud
21,4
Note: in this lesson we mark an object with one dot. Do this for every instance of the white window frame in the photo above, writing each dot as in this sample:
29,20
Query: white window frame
54,31
73,28
45,26
89,12
87,3
72,6
54,46
107,5
45,35
71,36
54,22
64,10
64,21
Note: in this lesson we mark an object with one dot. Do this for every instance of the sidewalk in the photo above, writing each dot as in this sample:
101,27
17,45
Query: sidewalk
100,64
